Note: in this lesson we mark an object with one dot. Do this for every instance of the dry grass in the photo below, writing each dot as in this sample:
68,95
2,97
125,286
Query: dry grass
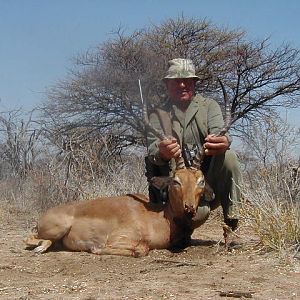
271,207
120,179
42,189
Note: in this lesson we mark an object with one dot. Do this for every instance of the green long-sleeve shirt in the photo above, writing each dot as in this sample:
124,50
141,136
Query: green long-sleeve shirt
203,117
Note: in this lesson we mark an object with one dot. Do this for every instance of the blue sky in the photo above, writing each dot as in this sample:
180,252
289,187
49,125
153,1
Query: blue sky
39,38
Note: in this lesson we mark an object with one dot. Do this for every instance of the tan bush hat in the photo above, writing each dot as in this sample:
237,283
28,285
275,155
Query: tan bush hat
181,68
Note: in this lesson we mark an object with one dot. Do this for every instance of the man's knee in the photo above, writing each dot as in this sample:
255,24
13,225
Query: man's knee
231,162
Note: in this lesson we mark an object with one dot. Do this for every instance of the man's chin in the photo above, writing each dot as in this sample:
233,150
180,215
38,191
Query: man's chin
184,99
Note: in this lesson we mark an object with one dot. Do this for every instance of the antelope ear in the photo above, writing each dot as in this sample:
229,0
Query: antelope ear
160,182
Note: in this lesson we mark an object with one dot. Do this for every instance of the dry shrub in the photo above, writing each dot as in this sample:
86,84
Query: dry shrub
271,207
120,178
36,192
44,188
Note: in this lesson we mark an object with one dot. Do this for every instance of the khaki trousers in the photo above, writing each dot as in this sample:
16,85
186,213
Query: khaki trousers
224,177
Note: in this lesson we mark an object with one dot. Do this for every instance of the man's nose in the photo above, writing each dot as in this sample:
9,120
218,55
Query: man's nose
182,84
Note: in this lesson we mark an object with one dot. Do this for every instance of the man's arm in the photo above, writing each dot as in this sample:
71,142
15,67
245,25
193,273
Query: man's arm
160,152
169,148
214,144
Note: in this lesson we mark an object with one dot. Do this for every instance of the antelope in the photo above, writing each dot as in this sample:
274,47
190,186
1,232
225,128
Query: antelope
127,225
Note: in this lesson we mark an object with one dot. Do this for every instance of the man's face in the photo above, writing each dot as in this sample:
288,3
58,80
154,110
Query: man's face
181,90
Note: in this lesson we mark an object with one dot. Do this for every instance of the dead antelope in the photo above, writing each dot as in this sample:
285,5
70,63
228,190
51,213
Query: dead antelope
126,225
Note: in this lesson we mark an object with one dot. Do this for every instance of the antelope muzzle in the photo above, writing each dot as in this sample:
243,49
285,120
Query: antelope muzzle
190,211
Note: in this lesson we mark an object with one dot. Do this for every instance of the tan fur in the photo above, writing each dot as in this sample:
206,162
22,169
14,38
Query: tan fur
126,225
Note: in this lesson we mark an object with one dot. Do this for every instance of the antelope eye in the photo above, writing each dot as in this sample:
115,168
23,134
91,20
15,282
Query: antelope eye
201,183
176,181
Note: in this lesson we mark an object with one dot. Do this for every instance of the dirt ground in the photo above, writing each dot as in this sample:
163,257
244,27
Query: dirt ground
202,271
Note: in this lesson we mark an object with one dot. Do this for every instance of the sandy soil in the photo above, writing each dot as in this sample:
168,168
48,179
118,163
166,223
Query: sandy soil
202,271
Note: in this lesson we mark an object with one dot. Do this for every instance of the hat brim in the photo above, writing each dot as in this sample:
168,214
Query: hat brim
196,78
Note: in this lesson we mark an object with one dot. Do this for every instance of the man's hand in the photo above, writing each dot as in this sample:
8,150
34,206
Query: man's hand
215,145
169,148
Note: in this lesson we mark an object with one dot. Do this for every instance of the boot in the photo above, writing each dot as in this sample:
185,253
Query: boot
231,236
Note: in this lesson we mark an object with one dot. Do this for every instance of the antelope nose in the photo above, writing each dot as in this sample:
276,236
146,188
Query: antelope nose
189,210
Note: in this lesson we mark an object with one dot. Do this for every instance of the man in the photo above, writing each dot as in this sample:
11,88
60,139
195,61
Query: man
195,122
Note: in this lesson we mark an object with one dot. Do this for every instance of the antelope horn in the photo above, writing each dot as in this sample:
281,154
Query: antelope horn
161,136
228,119
179,162
198,159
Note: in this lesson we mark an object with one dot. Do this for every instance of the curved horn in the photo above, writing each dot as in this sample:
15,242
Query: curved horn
198,159
228,118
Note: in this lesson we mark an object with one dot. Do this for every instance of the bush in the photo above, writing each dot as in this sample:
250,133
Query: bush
271,207
43,189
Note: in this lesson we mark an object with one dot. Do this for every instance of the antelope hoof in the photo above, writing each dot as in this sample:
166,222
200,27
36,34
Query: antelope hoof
43,246
39,250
